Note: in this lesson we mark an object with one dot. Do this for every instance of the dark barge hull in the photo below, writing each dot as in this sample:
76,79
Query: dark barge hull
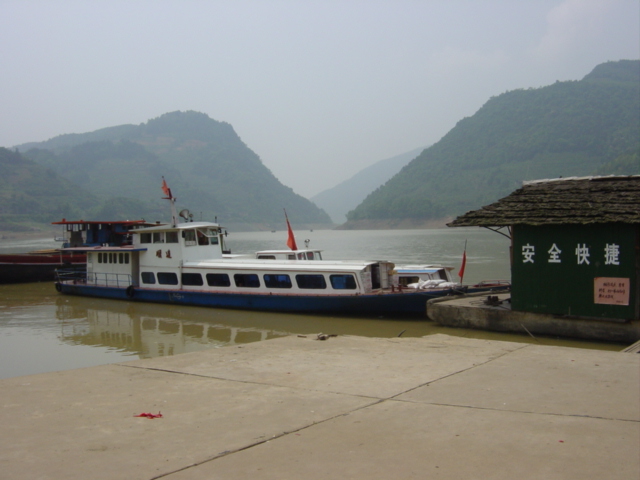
26,267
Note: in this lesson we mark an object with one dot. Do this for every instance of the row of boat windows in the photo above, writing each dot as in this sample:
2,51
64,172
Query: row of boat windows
252,280
113,257
199,236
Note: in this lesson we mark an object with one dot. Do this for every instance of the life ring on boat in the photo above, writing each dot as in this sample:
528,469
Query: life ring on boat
130,291
58,287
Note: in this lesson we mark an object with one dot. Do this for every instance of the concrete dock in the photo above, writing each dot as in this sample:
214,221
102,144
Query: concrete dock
473,311
343,408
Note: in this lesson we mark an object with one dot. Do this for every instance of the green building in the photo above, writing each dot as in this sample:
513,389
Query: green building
575,246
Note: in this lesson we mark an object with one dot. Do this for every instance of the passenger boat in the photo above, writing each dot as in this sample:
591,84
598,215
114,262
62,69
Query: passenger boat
188,263
41,265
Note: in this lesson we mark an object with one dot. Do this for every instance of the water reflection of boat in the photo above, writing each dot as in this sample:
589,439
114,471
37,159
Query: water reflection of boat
137,331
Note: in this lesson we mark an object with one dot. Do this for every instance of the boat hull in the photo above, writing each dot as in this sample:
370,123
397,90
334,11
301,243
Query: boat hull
23,268
406,303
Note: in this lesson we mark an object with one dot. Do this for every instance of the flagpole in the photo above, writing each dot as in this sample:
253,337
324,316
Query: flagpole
291,239
464,262
172,199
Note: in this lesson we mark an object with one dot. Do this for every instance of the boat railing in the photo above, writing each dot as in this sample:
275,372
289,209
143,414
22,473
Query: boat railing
118,280
70,275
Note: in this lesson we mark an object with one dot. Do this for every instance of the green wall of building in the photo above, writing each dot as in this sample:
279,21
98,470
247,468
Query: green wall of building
578,270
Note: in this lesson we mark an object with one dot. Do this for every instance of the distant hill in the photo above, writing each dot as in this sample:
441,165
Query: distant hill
31,194
346,196
585,127
207,166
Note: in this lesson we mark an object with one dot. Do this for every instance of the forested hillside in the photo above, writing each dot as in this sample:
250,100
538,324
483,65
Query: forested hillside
31,194
342,198
209,169
585,127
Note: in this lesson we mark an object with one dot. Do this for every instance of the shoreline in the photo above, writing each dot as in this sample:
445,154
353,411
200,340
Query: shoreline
9,235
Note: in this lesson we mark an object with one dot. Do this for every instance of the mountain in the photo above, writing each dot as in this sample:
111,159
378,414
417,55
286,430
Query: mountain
342,198
569,128
206,164
32,194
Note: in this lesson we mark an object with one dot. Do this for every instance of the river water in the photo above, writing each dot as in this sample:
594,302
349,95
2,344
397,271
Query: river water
43,331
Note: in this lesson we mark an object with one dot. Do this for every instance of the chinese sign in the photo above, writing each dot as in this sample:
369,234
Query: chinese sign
611,291
580,255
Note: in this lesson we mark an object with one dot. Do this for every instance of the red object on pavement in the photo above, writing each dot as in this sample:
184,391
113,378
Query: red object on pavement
149,415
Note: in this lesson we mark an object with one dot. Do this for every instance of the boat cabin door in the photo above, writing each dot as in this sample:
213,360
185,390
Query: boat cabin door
375,276
135,268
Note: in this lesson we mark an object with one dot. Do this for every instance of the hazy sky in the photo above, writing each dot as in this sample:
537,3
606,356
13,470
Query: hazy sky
319,89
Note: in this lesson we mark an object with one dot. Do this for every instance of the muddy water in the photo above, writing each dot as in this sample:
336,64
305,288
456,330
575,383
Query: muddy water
42,331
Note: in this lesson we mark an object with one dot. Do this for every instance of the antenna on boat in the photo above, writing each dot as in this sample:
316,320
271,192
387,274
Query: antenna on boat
170,197
186,214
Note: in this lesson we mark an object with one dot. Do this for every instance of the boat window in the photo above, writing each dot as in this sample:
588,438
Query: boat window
301,256
309,255
171,237
218,280
311,282
189,237
145,238
99,257
277,280
158,237
148,278
121,257
167,278
291,257
192,279
247,280
126,258
404,281
343,282
202,238
266,257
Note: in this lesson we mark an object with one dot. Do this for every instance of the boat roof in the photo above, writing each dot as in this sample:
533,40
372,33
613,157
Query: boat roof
106,248
279,252
163,227
421,268
101,222
288,265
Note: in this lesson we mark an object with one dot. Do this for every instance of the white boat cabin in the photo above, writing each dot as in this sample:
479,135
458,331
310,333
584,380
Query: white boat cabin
305,254
424,276
193,256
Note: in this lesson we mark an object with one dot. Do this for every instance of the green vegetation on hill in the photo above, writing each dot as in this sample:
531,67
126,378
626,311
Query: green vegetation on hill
571,128
31,194
209,169
342,198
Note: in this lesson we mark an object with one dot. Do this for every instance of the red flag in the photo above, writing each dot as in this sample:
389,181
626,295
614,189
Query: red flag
166,189
464,262
291,241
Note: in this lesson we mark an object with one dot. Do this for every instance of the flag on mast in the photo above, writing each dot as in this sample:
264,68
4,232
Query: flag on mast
166,189
291,240
464,262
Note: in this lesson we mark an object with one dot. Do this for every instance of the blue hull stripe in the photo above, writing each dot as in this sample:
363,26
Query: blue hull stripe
414,303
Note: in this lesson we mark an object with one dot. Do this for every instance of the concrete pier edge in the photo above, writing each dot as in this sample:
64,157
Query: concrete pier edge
346,407
469,311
